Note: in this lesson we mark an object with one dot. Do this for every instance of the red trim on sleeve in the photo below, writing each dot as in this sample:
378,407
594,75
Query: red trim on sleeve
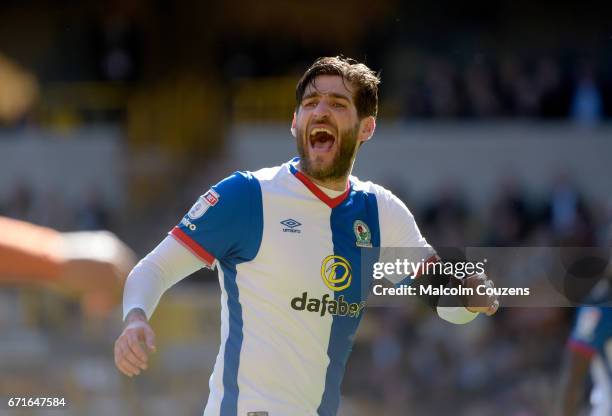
192,246
581,348
432,259
331,202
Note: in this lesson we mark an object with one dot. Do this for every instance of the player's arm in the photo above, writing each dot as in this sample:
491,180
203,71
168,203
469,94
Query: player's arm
458,309
88,265
208,234
575,370
167,264
399,229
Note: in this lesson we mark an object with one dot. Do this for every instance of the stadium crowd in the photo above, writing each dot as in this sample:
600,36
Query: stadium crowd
539,88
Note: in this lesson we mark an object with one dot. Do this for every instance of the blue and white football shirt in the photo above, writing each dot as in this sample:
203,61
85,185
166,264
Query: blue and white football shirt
292,292
592,337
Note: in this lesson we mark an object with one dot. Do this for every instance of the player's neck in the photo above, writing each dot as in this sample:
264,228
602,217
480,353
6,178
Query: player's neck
331,184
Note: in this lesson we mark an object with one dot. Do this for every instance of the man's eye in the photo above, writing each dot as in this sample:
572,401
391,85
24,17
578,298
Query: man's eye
309,104
339,105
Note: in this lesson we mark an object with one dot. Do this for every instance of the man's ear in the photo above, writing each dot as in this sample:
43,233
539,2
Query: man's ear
293,130
366,128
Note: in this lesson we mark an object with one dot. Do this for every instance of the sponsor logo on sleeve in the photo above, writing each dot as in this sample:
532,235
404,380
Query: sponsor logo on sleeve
189,224
209,199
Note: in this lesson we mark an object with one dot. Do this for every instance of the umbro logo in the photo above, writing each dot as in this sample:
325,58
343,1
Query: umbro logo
291,226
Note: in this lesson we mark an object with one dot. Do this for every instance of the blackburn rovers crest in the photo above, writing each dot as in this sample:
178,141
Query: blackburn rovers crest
362,234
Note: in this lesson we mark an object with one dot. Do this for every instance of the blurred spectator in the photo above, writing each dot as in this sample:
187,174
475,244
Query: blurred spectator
587,101
567,214
19,204
19,92
439,89
509,76
93,214
509,215
483,100
52,209
445,218
387,372
552,91
517,89
119,46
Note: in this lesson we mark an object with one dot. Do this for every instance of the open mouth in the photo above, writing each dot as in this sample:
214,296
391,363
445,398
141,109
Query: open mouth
321,139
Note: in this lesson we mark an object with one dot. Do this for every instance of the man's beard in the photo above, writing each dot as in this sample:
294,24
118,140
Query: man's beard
341,164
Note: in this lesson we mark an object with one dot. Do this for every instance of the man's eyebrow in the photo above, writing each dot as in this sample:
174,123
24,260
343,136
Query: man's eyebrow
329,94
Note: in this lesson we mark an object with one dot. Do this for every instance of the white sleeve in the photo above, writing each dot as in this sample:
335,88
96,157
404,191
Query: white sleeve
398,227
400,237
166,265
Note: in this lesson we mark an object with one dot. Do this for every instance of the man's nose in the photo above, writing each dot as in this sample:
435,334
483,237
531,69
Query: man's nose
321,110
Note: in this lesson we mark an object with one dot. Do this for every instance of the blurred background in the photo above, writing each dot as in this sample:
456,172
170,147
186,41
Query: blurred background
494,128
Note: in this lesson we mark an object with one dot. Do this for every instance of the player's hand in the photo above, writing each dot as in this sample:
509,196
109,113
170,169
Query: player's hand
480,303
134,344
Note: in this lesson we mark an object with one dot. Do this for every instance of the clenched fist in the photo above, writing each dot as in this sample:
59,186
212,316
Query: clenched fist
480,303
133,346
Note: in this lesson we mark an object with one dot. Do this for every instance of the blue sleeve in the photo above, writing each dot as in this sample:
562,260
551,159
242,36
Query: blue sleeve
590,329
226,222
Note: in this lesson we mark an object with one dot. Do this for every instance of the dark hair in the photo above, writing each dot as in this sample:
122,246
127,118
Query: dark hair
359,75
